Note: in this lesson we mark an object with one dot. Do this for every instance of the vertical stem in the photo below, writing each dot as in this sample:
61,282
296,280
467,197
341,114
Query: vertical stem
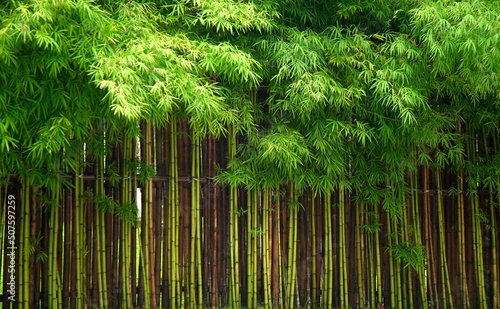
175,295
418,237
329,251
250,259
461,230
391,263
101,232
265,249
234,295
432,280
313,254
292,250
377,254
444,263
195,263
494,267
344,299
358,255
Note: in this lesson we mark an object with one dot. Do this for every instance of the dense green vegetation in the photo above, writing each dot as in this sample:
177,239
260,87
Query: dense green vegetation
351,97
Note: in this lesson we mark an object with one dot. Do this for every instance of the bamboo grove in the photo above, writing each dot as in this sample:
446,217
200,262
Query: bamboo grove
249,154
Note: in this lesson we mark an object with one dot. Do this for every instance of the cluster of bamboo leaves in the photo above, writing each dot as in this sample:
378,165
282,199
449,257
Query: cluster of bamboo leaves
328,95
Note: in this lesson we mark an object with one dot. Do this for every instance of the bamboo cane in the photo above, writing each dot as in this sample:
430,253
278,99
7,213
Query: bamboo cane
344,297
266,273
418,236
444,263
494,267
377,254
234,282
406,239
358,257
250,258
145,229
313,254
329,251
391,262
461,230
101,234
256,235
476,225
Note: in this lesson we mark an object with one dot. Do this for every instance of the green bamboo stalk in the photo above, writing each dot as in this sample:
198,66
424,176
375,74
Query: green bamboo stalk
344,293
418,236
256,235
431,269
329,251
145,239
80,240
408,274
391,262
314,291
293,222
292,250
461,230
397,267
194,221
371,262
493,251
494,267
461,247
479,254
444,263
126,227
252,254
377,254
250,259
358,256
234,270
101,234
54,288
198,218
265,249
476,226
280,259
175,294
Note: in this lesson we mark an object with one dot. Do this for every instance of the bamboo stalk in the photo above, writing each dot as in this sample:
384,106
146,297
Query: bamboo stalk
418,237
314,292
461,230
358,257
391,262
256,235
146,221
431,273
196,218
476,226
406,239
494,267
444,263
265,249
276,256
329,251
250,257
101,234
234,282
344,279
377,254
